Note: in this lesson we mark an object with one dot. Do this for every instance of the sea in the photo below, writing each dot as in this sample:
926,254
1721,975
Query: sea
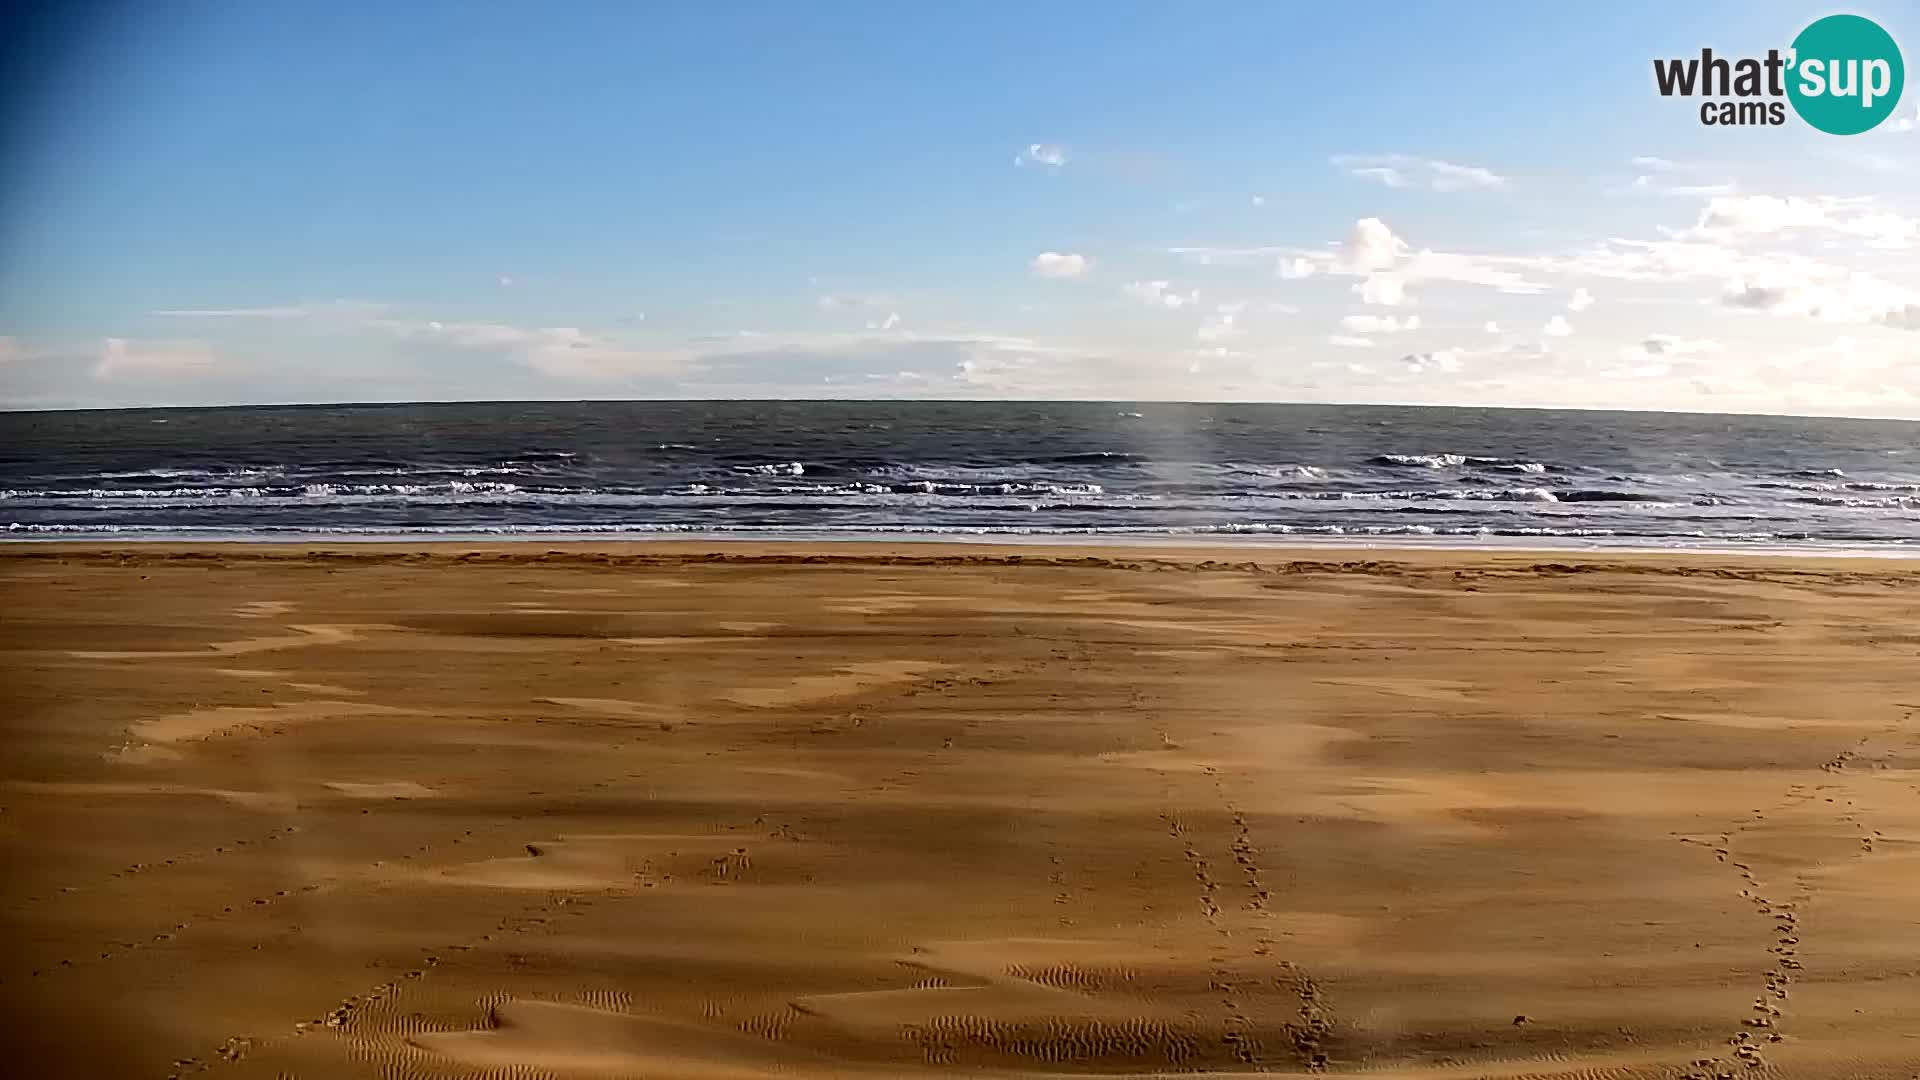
984,470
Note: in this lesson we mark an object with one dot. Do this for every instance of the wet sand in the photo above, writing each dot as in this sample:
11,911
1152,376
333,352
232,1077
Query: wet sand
668,810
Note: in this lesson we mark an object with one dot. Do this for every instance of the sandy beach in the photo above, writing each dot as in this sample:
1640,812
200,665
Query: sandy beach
673,810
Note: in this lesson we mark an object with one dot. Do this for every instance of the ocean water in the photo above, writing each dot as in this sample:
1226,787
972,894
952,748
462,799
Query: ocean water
1012,470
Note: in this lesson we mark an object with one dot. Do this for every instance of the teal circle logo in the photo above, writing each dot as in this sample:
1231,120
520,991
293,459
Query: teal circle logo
1846,75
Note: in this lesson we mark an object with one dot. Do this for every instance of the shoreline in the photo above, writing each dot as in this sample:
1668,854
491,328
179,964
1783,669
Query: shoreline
1255,557
1225,541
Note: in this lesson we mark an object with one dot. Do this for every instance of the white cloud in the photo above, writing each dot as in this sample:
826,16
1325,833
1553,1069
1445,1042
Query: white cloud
121,358
1025,369
289,312
1054,264
560,350
1904,317
1160,294
1379,324
1672,346
1222,324
1816,291
1387,290
9,350
1450,177
1775,282
1447,360
1658,261
1390,177
1662,355
1779,283
1906,122
462,335
1883,230
338,310
1384,261
1870,160
1405,171
1647,185
1371,246
1491,271
565,351
1736,216
505,280
1713,275
1666,178
853,302
1774,370
1049,155
569,352
1245,256
1259,200
1739,218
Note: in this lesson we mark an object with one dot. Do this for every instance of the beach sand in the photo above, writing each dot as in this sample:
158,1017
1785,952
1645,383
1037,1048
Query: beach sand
669,810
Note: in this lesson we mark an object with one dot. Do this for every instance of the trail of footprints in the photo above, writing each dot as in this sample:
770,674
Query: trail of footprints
120,947
343,1013
180,860
1762,1029
1314,1020
527,918
1238,1027
906,776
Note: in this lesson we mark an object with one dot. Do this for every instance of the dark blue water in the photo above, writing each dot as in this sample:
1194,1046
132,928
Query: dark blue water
962,468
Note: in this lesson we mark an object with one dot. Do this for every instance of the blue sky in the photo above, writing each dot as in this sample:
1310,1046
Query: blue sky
1485,204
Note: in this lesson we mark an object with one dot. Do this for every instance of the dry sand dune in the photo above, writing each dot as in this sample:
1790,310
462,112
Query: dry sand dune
658,811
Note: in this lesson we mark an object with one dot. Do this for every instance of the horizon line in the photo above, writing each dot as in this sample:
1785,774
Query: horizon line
10,410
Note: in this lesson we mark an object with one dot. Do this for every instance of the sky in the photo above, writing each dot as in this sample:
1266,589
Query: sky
1487,204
